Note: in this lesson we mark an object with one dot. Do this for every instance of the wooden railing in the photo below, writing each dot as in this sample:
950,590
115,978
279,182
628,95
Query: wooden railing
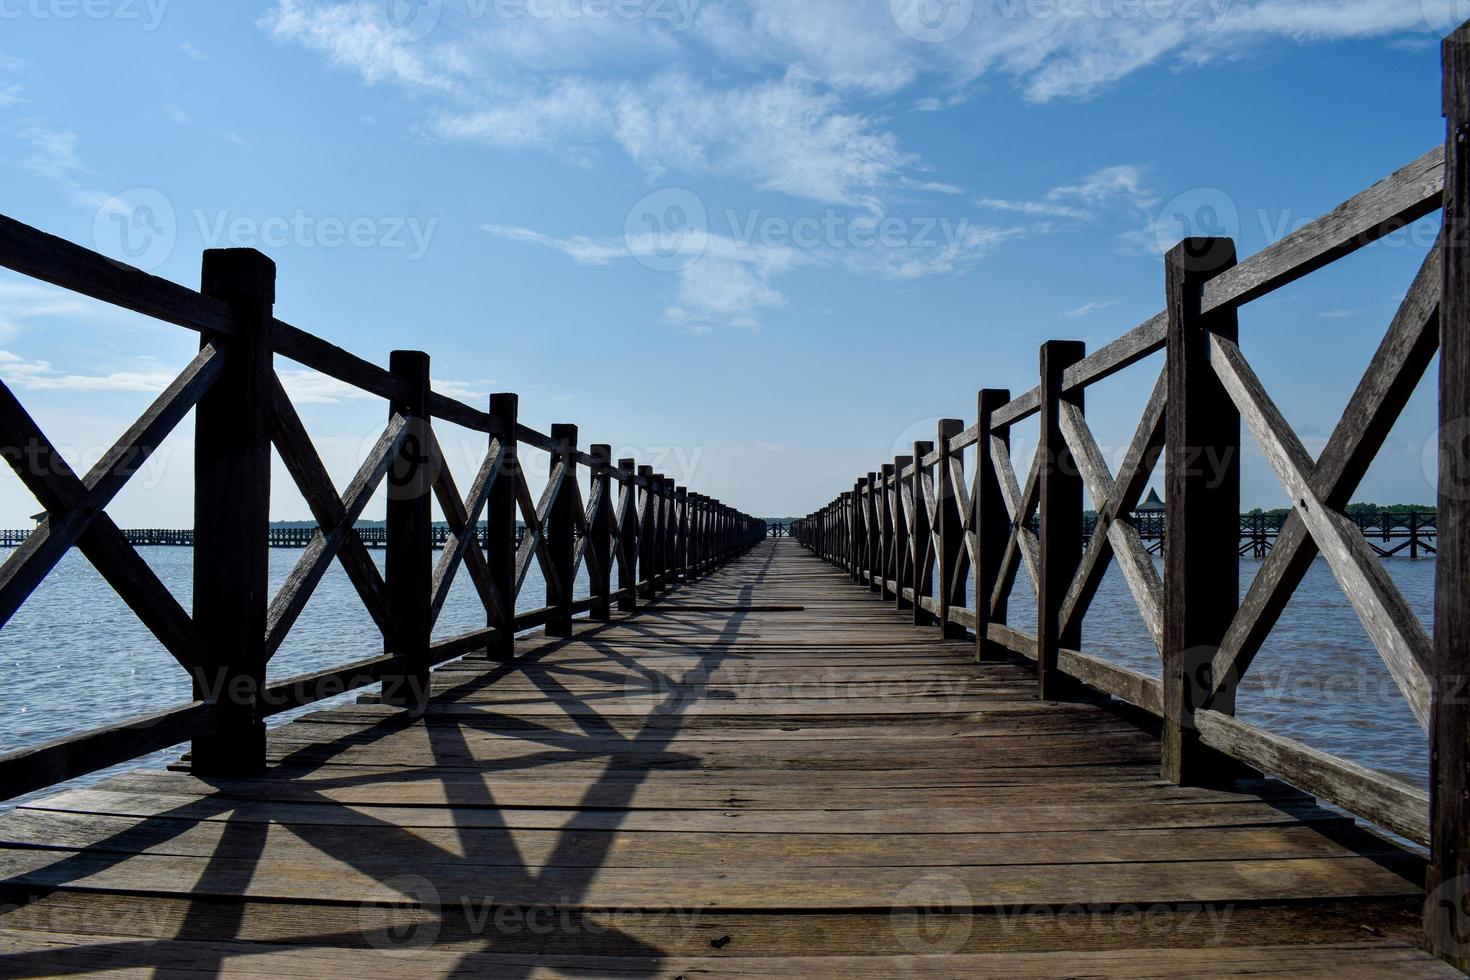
636,525
918,530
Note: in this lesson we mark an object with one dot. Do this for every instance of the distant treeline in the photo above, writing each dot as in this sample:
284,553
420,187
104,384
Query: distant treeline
1358,510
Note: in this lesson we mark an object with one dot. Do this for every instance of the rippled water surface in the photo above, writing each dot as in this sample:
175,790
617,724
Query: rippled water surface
1318,678
76,658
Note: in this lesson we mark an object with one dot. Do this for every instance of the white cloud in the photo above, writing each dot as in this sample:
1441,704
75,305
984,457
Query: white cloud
308,387
1088,309
10,91
23,301
37,375
729,280
53,152
1058,49
192,51
1121,193
763,89
584,250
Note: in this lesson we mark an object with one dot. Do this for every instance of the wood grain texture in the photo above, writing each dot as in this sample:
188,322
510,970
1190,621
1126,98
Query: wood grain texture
768,770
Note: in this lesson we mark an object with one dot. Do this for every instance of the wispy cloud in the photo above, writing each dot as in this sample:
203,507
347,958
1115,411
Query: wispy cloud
192,51
765,90
24,304
39,375
726,281
1088,309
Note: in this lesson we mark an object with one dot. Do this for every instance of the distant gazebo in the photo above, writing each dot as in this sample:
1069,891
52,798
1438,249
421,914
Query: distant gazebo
38,518
1153,505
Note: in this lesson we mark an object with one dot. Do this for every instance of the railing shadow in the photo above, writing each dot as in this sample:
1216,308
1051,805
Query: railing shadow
581,849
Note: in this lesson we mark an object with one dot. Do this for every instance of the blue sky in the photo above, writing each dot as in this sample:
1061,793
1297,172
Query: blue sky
761,244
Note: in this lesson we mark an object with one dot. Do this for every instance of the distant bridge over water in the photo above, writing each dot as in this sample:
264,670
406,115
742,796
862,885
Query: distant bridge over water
1409,534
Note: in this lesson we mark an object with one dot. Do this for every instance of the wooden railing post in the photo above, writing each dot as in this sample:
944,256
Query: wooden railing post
951,528
500,522
921,539
232,480
599,526
885,549
873,532
681,536
1447,917
561,531
901,543
992,520
1202,476
648,533
669,531
660,532
1061,523
409,562
695,546
628,537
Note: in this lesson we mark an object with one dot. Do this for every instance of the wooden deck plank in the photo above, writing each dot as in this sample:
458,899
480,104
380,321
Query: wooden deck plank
773,779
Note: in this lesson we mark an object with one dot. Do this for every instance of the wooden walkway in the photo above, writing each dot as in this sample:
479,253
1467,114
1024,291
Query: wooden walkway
771,773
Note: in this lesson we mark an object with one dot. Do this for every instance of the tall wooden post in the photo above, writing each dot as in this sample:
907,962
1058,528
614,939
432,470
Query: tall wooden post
648,533
410,559
885,547
681,538
873,534
901,544
921,539
1061,523
1202,477
992,520
951,529
661,531
628,536
232,492
500,522
561,531
1447,916
670,532
599,543
694,545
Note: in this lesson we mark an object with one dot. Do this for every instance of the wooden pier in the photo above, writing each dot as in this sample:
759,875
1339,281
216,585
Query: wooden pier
768,772
734,754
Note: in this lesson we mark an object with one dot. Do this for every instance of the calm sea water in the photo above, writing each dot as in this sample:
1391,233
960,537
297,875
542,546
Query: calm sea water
1318,678
75,657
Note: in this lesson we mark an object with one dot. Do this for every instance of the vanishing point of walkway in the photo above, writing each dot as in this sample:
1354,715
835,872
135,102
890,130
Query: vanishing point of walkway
769,773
